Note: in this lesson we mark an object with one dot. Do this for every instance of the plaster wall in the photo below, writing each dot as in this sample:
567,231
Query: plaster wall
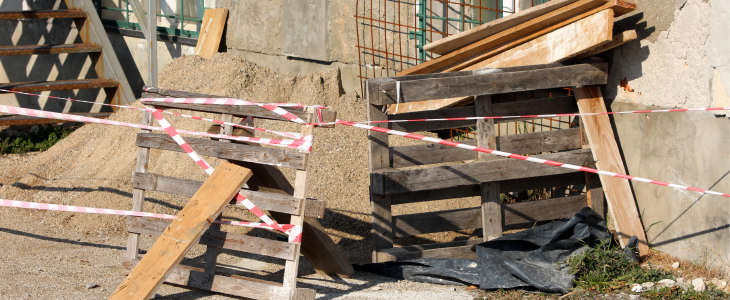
680,61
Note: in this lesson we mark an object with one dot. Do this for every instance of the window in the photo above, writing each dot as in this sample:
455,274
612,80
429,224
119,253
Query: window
174,17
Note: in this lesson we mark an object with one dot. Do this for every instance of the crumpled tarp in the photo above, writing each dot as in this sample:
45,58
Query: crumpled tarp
529,259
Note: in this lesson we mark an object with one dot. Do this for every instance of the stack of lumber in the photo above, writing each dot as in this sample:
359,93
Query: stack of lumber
553,32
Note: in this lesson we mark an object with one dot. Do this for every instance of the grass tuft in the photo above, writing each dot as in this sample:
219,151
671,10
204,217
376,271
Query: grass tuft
40,138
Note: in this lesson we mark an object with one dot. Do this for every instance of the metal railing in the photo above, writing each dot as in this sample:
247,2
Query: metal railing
126,9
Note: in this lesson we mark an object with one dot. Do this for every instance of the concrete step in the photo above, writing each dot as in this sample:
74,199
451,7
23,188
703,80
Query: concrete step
59,85
41,14
48,49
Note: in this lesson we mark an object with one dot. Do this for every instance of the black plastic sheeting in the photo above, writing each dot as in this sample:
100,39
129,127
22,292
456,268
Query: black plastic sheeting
529,259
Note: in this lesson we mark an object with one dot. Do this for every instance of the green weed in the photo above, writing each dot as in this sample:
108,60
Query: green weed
41,138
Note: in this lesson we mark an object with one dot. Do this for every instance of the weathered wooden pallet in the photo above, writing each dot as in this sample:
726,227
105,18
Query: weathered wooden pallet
405,174
286,204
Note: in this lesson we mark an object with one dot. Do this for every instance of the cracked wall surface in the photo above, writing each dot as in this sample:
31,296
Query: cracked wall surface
680,61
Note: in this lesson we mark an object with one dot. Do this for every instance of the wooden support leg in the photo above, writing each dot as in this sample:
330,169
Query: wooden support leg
183,232
491,202
143,157
608,158
211,253
381,218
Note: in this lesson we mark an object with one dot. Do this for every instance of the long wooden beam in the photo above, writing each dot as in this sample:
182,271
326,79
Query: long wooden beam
541,24
183,232
619,197
384,91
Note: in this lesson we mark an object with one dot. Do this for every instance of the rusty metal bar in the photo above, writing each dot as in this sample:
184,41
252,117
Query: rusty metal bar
407,26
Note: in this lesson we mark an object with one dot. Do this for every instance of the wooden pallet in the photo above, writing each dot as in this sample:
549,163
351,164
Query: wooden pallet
394,180
289,208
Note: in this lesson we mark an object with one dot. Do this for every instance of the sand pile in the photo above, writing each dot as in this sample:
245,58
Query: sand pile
93,166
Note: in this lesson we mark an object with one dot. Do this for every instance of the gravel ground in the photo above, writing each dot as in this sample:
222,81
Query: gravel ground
55,254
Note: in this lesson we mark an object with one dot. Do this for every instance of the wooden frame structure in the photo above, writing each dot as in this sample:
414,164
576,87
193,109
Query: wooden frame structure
489,175
268,189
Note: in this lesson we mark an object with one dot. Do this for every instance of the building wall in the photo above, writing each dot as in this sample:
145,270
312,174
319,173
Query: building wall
681,61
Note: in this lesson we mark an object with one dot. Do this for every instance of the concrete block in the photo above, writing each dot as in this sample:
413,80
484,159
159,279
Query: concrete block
305,29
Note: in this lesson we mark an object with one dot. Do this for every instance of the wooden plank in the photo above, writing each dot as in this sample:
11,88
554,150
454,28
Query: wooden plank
455,249
573,40
264,200
617,41
465,38
400,181
228,284
535,25
211,32
526,143
557,105
468,218
491,210
620,199
220,239
515,185
231,151
492,83
575,36
291,267
328,115
176,240
143,158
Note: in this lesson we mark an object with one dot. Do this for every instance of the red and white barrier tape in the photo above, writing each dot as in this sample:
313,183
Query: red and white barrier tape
537,116
106,211
305,143
526,158
294,235
292,135
227,101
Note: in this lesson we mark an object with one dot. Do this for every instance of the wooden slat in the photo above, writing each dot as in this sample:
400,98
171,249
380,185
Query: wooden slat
381,231
538,24
491,210
186,229
228,284
10,120
211,32
455,249
620,199
468,218
220,239
617,41
42,14
143,158
515,185
485,30
264,200
491,83
400,181
231,151
526,143
328,115
48,49
557,105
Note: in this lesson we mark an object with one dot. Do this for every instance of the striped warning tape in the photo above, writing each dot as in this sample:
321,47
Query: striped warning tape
227,101
292,135
305,143
106,211
525,158
294,236
536,116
